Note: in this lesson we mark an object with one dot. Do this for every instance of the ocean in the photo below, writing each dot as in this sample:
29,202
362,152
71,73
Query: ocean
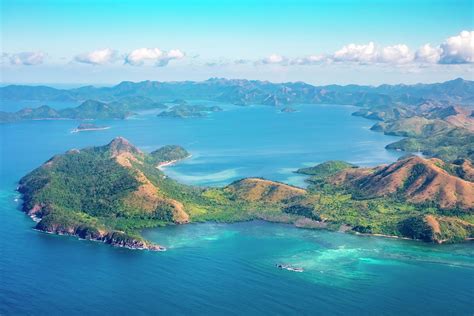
216,269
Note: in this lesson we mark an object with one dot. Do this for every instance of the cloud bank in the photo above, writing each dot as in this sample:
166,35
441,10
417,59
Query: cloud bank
458,49
455,50
156,56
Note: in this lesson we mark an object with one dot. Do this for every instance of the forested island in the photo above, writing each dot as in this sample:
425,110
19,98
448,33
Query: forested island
87,110
435,119
122,100
436,130
110,193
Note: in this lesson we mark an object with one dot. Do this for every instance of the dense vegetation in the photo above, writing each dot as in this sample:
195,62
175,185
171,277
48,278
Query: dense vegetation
110,193
353,202
437,130
455,144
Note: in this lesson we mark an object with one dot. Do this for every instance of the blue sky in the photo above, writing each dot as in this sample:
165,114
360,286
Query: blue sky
369,42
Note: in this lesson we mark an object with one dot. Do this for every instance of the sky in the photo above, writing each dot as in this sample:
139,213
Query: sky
320,42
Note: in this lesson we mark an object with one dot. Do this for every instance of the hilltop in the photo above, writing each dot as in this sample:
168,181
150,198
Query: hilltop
414,179
105,189
419,198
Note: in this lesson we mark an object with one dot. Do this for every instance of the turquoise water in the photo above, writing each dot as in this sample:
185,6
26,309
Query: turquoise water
216,268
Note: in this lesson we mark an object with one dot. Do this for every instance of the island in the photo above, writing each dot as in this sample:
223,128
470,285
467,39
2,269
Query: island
436,130
110,193
169,154
87,110
185,111
84,127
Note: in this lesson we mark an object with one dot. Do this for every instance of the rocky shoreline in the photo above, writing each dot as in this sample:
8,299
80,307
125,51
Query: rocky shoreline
113,238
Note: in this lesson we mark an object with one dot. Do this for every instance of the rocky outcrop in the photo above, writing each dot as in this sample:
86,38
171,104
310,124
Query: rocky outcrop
437,229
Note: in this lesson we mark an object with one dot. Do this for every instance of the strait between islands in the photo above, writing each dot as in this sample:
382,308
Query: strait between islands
110,193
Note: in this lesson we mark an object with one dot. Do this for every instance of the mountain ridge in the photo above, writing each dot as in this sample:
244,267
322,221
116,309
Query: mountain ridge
242,91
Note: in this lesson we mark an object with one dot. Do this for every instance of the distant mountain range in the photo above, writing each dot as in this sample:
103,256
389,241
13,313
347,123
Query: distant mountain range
436,119
245,92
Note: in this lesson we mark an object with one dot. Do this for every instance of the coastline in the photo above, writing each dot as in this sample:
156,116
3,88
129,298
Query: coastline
106,238
113,238
161,166
137,245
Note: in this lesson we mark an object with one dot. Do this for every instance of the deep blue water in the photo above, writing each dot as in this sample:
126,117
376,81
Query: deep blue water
223,269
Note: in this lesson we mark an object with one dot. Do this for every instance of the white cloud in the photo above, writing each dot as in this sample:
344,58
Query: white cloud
160,58
98,57
139,56
309,60
175,54
371,54
273,59
428,54
364,53
458,49
396,54
27,58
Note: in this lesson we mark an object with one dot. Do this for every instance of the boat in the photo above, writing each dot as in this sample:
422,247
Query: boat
289,267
